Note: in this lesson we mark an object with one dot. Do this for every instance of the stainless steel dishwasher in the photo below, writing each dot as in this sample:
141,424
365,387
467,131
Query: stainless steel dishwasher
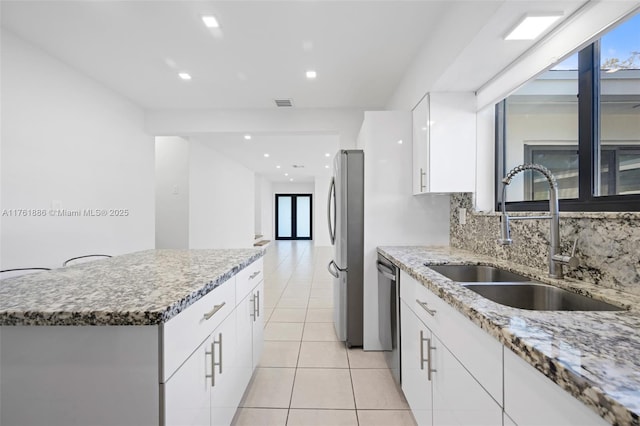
389,313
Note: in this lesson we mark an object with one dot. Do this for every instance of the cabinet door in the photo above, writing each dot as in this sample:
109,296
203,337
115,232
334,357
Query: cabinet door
530,398
258,324
458,399
421,146
227,389
415,379
187,392
244,339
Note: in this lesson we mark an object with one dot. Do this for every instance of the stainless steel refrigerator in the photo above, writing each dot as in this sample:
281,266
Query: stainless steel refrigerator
345,211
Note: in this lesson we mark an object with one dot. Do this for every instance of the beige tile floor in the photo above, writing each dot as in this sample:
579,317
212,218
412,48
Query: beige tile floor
306,377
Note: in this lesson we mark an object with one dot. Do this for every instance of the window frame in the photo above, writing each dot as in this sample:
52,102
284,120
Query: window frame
588,148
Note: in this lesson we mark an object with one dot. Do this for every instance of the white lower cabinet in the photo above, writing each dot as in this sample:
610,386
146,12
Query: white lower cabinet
416,384
530,398
207,388
458,398
438,388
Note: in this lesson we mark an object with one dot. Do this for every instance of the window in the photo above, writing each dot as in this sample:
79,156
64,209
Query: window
581,120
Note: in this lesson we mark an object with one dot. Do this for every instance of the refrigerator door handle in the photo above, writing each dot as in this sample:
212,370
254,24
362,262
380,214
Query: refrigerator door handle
335,270
332,223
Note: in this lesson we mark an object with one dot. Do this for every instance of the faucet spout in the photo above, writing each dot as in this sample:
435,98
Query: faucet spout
555,265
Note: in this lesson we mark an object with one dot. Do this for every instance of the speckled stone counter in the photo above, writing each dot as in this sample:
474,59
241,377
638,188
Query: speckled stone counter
595,356
143,288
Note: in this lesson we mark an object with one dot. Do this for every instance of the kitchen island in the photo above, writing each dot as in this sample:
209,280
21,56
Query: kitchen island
593,357
135,339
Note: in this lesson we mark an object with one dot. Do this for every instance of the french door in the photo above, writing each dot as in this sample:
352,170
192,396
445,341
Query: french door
293,216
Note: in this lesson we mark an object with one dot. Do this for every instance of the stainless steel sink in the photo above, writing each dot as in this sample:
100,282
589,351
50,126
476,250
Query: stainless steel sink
539,297
515,290
477,273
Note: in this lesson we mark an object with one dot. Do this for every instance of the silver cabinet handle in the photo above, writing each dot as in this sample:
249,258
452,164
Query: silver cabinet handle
255,274
215,309
212,376
424,305
219,342
422,360
258,303
429,369
422,175
253,307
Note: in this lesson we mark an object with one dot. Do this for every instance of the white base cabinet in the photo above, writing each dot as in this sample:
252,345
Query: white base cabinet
474,380
530,398
190,371
438,388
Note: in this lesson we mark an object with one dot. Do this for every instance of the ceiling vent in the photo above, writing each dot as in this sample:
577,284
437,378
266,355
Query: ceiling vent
297,166
282,103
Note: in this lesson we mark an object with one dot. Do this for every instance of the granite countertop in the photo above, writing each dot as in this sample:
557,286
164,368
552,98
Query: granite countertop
595,356
142,288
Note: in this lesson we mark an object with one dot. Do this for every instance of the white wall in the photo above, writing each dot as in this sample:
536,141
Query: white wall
320,199
266,210
221,200
172,192
343,122
393,216
70,143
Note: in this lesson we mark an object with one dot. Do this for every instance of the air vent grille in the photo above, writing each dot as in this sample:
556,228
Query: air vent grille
297,166
283,103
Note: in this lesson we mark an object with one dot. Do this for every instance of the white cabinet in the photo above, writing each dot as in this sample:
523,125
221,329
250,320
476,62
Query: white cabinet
532,399
458,398
187,393
444,143
416,384
207,388
438,388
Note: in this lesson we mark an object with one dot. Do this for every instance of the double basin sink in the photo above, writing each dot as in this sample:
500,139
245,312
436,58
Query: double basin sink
517,291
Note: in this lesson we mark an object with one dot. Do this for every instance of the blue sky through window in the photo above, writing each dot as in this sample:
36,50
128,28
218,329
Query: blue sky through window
618,43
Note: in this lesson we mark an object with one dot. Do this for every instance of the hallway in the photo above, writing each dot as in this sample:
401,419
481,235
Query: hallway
306,376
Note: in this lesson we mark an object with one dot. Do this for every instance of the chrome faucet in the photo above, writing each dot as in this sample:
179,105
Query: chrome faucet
556,259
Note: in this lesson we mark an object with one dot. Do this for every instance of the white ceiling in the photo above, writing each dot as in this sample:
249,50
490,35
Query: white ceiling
285,150
360,49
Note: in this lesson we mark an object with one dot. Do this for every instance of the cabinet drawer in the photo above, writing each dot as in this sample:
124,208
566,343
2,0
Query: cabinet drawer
458,334
248,278
183,333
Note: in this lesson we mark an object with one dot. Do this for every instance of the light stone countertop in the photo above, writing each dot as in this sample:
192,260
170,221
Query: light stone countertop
142,288
595,356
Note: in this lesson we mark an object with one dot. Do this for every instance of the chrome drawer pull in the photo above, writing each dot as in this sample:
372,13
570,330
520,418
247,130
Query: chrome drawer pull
258,303
255,274
215,309
424,305
253,307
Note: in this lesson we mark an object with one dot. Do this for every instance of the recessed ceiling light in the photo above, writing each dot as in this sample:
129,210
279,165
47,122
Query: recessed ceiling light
311,74
531,26
266,155
210,21
400,142
184,76
247,137
327,155
278,166
286,174
326,166
290,179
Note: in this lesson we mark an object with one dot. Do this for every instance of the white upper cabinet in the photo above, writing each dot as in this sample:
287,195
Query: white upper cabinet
444,143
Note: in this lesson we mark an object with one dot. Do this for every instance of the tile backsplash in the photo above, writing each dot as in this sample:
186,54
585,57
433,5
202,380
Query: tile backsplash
608,243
